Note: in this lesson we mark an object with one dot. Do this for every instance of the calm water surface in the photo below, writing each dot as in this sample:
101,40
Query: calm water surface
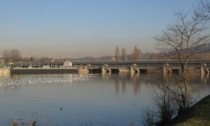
79,100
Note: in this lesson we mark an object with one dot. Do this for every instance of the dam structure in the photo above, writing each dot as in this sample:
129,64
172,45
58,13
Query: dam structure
165,67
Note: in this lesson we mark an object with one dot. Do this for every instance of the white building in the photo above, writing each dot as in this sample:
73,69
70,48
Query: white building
67,64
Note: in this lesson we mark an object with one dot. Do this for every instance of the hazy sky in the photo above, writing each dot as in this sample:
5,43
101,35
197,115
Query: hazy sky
77,28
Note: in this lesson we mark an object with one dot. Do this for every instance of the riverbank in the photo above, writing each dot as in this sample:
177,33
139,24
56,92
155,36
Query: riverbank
4,71
43,70
198,115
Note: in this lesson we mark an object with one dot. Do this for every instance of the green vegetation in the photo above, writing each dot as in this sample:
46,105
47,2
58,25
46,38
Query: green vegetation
197,115
2,64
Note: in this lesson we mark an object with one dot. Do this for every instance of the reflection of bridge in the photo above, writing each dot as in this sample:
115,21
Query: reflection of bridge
138,67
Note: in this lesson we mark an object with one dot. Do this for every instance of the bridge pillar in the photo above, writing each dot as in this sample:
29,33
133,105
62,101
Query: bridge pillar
204,70
131,70
167,70
83,70
106,70
134,70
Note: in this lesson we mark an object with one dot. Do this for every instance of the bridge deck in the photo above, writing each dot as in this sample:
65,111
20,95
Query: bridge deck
126,63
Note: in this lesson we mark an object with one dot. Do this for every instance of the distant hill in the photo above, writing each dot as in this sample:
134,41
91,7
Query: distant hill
204,48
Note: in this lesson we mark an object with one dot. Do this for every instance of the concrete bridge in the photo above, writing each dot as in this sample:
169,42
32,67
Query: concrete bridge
133,67
144,66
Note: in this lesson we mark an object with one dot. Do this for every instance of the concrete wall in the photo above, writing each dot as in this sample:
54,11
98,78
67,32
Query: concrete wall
43,71
4,71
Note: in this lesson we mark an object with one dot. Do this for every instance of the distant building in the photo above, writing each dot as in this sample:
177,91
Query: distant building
45,66
67,64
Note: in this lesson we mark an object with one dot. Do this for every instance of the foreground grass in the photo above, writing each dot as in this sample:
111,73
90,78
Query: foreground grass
198,115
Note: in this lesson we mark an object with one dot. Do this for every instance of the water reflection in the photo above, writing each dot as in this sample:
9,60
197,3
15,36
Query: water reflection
137,86
204,79
112,99
121,81
117,86
11,85
17,80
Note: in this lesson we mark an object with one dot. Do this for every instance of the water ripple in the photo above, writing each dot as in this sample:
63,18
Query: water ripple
44,79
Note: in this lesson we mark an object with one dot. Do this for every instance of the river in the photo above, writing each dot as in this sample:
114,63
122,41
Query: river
80,100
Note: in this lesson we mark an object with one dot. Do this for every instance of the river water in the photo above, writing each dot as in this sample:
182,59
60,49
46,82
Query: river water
80,100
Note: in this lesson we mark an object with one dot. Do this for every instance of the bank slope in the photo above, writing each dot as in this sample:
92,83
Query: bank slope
198,115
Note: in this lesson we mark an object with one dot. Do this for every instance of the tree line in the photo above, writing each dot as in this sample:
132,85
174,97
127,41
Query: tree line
14,55
136,54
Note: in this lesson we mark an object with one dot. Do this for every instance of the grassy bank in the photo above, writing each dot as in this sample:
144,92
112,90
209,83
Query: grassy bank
198,115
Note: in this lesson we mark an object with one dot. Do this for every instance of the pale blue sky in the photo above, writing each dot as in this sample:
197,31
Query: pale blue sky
73,28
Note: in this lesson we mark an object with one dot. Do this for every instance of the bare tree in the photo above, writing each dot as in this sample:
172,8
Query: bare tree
15,55
203,10
45,60
182,40
164,104
164,101
149,118
11,55
123,54
136,53
6,55
117,52
155,56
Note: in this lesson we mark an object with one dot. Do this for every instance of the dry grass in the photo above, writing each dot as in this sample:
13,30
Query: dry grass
198,115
